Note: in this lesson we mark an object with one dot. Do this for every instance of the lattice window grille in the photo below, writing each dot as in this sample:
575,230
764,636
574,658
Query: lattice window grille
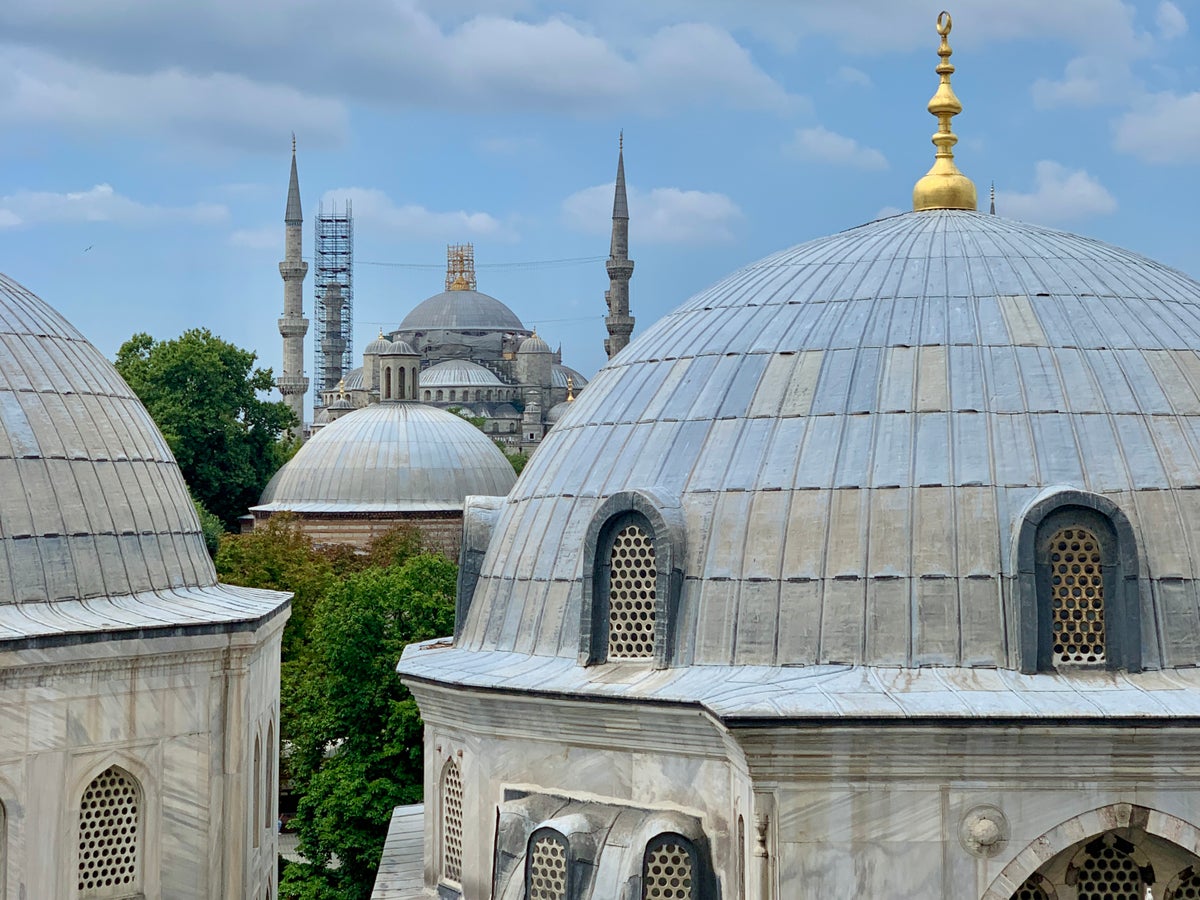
668,874
452,823
109,821
1031,890
1188,889
632,593
1109,874
548,869
1076,597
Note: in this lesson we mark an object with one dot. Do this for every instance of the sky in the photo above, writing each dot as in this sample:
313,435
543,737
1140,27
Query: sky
145,146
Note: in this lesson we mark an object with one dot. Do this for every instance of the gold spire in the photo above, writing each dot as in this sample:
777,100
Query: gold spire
944,187
459,283
570,389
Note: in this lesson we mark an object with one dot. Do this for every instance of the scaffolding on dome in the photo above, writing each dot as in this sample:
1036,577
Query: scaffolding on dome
333,258
460,267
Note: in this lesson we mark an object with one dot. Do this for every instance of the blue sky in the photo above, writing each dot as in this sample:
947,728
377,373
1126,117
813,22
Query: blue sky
144,146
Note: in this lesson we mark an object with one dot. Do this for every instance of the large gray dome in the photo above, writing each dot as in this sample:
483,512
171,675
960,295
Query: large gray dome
461,311
92,504
390,457
851,433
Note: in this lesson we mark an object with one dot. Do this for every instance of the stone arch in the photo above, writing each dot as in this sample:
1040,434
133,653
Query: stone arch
1090,824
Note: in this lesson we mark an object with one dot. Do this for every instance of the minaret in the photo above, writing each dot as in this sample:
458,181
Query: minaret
292,325
618,321
333,344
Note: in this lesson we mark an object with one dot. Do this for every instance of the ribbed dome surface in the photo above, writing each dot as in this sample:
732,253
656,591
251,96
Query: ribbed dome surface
390,457
559,375
455,372
533,344
92,503
852,429
461,311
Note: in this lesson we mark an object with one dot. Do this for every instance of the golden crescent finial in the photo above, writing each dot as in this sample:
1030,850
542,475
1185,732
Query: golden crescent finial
944,186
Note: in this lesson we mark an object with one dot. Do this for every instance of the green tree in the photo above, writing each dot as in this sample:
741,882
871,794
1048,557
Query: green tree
210,527
356,750
203,394
516,458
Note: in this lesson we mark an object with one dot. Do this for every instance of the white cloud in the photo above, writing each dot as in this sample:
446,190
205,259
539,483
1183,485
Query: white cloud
99,204
819,144
849,75
1087,81
662,215
210,110
1164,128
262,238
1059,195
373,208
1171,21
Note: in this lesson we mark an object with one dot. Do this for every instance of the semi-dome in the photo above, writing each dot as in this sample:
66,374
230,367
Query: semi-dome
461,310
459,372
846,444
389,457
92,503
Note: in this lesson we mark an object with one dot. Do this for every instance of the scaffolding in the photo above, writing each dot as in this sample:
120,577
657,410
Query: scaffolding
460,267
333,258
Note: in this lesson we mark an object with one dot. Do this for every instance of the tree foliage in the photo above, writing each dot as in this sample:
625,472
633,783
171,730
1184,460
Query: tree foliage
210,526
203,393
356,751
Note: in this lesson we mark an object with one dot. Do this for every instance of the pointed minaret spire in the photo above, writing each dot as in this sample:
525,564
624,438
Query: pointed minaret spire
292,325
992,209
620,267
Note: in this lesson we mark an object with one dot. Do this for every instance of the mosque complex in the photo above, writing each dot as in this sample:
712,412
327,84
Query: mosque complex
871,571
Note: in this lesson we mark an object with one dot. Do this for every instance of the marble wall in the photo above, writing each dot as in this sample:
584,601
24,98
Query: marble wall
178,713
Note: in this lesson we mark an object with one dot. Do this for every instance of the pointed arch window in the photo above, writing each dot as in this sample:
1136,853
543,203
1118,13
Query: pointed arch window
387,383
1035,888
402,393
1108,872
547,866
670,869
270,788
452,822
257,794
110,837
1187,886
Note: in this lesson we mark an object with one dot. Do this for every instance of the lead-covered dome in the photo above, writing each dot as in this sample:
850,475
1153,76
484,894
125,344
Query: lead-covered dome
455,372
461,310
92,504
390,457
854,436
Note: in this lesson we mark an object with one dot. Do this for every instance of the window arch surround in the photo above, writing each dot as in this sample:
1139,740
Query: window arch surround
661,521
671,869
450,824
1119,566
111,835
548,866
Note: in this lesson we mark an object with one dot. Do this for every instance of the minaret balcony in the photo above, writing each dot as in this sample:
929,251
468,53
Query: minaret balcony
291,384
293,327
289,269
619,268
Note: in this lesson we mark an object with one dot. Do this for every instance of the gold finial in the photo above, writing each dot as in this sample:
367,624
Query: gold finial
460,267
459,283
944,187
570,389
342,388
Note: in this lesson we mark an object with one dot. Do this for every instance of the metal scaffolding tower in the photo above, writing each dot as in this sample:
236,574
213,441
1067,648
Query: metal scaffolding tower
333,258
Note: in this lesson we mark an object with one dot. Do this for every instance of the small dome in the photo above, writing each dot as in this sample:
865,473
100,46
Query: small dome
852,431
459,373
557,411
376,347
559,375
533,344
353,380
341,403
390,457
461,311
398,348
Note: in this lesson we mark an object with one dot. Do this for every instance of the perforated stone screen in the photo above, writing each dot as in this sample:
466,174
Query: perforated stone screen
1076,597
1109,874
1188,889
1031,890
547,869
452,823
668,874
109,822
632,591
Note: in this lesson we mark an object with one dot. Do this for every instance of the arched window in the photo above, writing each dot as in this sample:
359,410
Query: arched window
670,869
1078,593
629,584
452,822
3,850
1188,887
428,396
1109,873
257,817
489,396
387,383
547,866
478,395
402,393
451,393
110,836
270,790
439,395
